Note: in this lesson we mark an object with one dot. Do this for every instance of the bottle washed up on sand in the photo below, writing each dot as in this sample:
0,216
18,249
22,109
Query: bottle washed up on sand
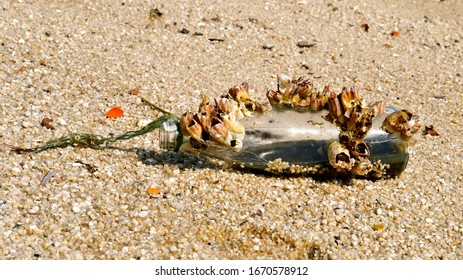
302,131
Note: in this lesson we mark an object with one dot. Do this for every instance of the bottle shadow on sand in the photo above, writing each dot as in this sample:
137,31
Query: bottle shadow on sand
184,161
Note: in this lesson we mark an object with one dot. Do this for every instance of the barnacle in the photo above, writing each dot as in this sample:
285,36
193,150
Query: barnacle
190,126
220,132
297,93
244,105
403,123
360,149
349,98
224,105
240,93
232,124
339,156
334,106
362,167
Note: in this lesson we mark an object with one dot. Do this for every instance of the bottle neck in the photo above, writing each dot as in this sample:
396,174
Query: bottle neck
169,136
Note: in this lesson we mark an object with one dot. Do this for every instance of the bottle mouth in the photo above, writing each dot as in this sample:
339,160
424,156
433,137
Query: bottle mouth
169,136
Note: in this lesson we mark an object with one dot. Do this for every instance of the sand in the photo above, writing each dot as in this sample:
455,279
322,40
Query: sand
72,61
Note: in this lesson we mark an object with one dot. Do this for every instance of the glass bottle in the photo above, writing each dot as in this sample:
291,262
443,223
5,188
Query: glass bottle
298,140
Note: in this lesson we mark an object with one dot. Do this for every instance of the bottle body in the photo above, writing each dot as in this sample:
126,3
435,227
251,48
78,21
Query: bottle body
294,138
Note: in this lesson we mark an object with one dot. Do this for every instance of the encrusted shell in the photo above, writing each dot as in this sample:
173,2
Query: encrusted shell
297,93
350,98
362,166
232,124
339,156
220,132
402,122
360,149
189,126
224,105
334,106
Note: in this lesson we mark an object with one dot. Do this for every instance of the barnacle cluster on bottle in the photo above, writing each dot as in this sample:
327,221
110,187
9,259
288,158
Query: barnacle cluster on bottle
403,123
216,124
354,119
298,93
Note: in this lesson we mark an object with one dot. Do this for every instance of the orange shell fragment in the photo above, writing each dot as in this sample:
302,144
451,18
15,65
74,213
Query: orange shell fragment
135,90
153,191
115,112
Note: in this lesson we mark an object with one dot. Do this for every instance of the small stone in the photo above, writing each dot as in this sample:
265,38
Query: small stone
378,227
61,121
184,31
135,90
143,214
76,209
26,124
305,44
151,161
34,209
288,187
429,220
143,122
153,190
15,171
365,27
429,129
153,231
46,122
267,47
76,255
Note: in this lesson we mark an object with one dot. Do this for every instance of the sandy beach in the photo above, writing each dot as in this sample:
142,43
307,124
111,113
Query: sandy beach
72,61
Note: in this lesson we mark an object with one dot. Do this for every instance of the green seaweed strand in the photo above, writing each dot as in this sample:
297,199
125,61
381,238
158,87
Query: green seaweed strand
98,142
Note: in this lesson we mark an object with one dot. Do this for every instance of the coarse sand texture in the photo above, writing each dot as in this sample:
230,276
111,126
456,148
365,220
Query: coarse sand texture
85,66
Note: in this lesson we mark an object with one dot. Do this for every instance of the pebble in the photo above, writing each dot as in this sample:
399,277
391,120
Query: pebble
76,255
153,231
143,214
184,31
267,47
61,121
15,170
26,124
143,122
76,209
34,209
305,44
